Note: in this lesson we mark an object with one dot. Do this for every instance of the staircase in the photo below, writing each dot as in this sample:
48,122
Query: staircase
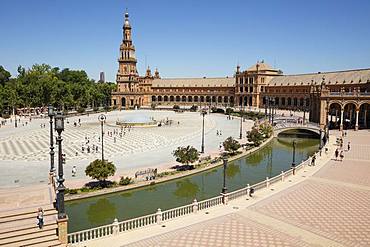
19,228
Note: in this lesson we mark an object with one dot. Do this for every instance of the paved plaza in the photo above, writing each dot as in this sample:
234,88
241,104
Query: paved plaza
24,151
324,205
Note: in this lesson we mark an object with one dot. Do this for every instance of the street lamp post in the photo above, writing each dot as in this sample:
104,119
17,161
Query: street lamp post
241,123
304,110
51,114
59,127
320,146
327,120
102,119
266,99
273,107
269,106
224,159
15,118
203,113
293,162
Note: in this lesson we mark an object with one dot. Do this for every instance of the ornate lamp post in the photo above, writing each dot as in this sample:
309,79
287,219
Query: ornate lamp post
320,146
102,119
51,114
241,124
224,159
327,120
273,108
59,127
293,162
266,99
203,113
15,118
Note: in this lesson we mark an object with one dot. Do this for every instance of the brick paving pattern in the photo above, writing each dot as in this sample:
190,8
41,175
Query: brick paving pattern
230,230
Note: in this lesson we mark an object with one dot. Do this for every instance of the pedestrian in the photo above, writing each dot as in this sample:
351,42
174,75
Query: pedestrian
336,154
349,146
217,133
74,171
341,155
40,217
313,160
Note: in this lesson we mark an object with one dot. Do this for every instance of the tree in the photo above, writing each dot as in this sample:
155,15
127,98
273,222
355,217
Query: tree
186,155
4,75
266,129
100,170
231,145
255,136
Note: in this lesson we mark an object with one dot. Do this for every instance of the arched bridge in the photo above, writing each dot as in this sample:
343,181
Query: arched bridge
282,125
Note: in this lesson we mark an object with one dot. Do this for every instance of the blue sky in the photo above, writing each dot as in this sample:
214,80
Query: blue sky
187,38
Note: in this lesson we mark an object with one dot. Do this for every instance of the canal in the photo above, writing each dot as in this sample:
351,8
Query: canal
267,162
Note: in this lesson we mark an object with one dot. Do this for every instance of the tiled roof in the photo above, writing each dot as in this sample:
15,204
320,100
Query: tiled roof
195,82
331,78
261,66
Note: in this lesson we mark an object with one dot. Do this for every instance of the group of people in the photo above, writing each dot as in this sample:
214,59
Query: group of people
339,152
218,133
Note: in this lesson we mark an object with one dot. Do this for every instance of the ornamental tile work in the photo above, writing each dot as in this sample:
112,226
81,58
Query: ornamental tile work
229,230
336,212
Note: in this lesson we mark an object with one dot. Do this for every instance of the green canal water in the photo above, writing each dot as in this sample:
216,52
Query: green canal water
267,162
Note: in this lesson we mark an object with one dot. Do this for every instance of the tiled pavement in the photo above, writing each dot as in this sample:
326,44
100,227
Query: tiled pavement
229,230
332,205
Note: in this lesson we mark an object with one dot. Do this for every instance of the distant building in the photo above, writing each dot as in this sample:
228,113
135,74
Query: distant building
102,77
340,99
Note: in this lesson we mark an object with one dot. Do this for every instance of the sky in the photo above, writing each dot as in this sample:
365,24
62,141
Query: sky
189,38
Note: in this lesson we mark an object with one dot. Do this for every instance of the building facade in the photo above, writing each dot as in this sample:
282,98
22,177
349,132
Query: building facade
339,99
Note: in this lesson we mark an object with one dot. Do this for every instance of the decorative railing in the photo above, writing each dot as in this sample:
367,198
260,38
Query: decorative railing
160,216
209,202
177,212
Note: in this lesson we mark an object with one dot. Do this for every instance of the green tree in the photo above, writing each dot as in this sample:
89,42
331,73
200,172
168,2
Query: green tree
255,136
231,145
186,155
100,170
4,75
266,129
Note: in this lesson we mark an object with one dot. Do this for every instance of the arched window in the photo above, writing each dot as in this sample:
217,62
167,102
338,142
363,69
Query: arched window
154,98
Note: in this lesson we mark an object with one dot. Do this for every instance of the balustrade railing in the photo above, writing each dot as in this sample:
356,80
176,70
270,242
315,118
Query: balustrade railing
177,212
210,202
160,216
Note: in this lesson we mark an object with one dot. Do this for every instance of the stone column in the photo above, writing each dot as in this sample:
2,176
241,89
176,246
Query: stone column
341,118
115,227
195,206
356,125
159,216
63,230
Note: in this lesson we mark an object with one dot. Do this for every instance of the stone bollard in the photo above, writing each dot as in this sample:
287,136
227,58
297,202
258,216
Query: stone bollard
248,189
159,216
115,227
225,198
282,176
195,206
267,182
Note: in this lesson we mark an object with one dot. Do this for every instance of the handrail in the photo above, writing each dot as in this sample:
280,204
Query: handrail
160,216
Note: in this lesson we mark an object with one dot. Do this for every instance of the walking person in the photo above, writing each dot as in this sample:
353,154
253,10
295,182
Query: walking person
336,154
40,217
349,146
313,161
341,155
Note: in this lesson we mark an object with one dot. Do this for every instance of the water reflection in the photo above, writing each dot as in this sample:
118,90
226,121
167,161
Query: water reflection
232,170
185,188
101,212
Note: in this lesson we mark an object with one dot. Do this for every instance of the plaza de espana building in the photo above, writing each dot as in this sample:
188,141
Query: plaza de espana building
340,98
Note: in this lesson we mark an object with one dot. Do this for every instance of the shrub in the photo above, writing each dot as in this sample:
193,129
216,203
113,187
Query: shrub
153,105
176,107
231,145
125,181
193,108
81,110
229,111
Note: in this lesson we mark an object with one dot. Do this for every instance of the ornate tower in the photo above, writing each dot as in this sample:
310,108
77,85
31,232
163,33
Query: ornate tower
129,93
127,71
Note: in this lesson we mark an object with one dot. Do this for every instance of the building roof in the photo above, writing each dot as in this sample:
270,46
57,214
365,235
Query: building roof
331,78
194,82
261,67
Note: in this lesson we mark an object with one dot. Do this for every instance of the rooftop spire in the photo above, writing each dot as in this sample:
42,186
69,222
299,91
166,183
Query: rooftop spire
127,23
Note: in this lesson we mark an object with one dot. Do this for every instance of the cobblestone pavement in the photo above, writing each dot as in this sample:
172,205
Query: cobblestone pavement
230,230
332,207
24,151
